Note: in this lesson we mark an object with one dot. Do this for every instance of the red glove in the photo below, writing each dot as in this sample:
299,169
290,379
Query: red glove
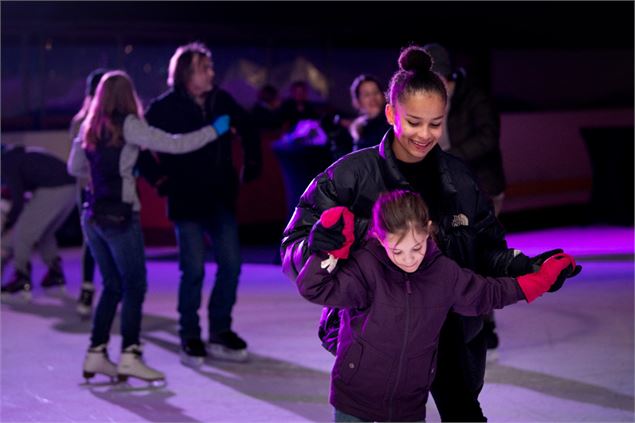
534,285
334,232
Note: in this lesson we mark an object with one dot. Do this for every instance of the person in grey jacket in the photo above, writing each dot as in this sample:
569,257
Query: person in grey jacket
395,292
106,150
32,224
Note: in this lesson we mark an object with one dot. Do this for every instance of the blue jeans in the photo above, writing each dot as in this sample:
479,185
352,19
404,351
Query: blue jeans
120,256
222,228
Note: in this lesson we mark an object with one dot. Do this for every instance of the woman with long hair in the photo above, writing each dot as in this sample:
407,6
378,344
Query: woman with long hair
106,150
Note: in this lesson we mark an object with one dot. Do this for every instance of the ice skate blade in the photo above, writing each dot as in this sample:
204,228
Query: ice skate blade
220,352
88,376
191,361
152,383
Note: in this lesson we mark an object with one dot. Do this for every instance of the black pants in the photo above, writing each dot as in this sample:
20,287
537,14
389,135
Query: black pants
460,373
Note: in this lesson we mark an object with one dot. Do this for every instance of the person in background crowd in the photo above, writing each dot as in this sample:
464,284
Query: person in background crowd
266,112
371,125
32,225
298,107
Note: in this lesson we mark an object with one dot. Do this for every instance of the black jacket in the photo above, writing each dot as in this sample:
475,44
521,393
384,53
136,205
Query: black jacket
468,231
195,183
474,132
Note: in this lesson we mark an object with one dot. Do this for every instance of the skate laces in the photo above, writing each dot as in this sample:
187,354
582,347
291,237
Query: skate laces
135,349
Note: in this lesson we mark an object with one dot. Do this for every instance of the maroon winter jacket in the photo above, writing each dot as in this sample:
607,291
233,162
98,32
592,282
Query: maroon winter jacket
390,327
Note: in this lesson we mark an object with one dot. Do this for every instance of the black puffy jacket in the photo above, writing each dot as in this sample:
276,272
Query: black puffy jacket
474,131
468,231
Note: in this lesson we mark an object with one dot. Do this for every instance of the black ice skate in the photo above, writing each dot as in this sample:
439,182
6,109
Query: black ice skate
20,283
193,353
227,346
55,278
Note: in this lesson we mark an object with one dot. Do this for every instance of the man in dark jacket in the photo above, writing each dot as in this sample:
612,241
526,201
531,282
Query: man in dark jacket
468,233
202,189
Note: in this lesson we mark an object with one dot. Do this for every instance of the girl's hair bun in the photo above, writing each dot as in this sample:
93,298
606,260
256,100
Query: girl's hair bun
415,59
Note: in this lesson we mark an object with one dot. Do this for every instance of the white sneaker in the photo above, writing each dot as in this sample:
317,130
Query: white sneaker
97,362
131,365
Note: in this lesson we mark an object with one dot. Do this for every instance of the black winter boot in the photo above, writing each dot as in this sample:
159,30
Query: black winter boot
19,283
55,275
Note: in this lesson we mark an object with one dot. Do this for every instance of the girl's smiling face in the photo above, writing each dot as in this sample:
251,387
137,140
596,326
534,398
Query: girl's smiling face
418,124
406,251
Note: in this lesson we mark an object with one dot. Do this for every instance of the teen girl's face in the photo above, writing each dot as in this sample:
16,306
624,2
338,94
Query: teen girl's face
407,253
418,125
370,99
202,75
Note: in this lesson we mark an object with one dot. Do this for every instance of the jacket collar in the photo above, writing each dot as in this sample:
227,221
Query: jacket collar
385,151
377,250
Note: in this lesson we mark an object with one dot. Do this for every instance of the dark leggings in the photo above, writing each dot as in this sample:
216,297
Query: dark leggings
460,373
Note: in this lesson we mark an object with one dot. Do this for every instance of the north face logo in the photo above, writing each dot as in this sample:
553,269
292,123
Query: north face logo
460,220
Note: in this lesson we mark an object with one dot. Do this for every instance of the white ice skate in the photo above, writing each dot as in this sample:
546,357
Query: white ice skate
97,362
131,365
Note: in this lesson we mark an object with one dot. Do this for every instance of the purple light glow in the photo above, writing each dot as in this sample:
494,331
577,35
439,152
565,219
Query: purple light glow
598,240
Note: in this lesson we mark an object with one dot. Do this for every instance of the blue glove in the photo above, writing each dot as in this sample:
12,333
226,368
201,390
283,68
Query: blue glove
221,125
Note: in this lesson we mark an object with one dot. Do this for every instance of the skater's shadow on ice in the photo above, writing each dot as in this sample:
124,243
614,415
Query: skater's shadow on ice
150,404
300,390
559,387
63,309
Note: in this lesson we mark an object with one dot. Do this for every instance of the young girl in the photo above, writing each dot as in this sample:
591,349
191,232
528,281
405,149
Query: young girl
106,150
395,293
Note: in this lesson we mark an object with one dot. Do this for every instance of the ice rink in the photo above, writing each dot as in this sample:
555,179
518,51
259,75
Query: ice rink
567,357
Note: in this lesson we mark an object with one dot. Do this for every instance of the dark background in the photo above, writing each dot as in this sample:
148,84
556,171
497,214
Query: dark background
532,55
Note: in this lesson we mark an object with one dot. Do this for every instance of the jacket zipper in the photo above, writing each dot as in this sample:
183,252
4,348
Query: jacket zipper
403,349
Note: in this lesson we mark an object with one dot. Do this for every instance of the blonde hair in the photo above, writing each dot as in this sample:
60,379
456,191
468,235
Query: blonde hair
114,100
